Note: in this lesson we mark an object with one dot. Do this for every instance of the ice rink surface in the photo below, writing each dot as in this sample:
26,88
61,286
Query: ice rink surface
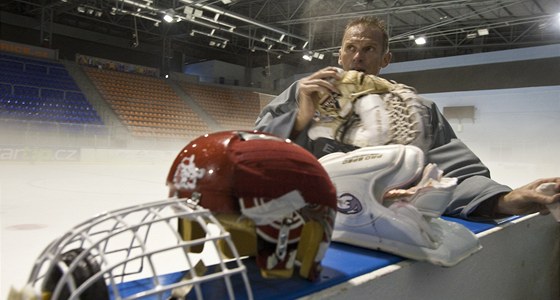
41,201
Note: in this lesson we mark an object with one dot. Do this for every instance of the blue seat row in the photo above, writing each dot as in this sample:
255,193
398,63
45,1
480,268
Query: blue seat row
44,82
4,56
37,90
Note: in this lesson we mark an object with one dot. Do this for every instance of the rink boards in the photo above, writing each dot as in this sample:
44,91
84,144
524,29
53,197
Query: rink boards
341,263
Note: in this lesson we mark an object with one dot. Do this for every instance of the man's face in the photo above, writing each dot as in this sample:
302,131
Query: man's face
362,50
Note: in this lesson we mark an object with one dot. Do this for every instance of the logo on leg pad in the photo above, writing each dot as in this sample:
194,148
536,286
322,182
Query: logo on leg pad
348,204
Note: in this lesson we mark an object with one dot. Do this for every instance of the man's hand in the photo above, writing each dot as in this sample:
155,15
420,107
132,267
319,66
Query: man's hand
309,90
527,199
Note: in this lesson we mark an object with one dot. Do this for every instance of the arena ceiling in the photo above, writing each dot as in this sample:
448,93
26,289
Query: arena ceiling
258,32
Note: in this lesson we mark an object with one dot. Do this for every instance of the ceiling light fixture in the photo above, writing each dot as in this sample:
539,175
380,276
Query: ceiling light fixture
169,16
483,32
268,40
189,12
420,40
222,43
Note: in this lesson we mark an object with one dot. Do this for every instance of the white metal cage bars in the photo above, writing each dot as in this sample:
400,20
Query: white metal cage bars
139,243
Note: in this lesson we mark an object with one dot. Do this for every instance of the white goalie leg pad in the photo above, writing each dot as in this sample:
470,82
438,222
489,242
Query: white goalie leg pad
361,178
391,166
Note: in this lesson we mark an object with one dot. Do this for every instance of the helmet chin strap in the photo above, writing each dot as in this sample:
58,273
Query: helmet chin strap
283,238
279,210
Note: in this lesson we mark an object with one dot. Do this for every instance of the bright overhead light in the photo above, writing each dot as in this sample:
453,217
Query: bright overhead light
307,57
168,18
420,40
482,32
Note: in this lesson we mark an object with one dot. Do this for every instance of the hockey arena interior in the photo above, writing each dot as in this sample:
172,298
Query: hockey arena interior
102,104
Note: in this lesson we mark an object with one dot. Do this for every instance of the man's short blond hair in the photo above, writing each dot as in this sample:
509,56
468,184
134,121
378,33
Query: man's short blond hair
371,21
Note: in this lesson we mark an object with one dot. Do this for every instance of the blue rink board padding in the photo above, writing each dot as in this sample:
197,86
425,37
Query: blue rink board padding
341,263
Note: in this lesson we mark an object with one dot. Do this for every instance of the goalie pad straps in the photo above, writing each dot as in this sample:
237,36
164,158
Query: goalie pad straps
323,146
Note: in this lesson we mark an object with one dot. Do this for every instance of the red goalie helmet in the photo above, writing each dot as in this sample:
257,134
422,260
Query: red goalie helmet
274,197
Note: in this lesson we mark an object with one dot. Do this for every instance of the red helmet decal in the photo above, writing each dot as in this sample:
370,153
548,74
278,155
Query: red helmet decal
187,173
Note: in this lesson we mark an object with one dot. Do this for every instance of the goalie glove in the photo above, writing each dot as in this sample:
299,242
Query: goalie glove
371,111
406,227
352,85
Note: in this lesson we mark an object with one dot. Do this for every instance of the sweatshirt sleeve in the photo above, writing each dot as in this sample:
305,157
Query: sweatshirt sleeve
278,117
456,160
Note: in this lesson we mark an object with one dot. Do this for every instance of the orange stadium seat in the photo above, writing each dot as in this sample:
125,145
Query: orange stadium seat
150,103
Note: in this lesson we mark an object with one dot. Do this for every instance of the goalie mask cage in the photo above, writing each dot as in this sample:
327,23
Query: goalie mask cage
137,253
